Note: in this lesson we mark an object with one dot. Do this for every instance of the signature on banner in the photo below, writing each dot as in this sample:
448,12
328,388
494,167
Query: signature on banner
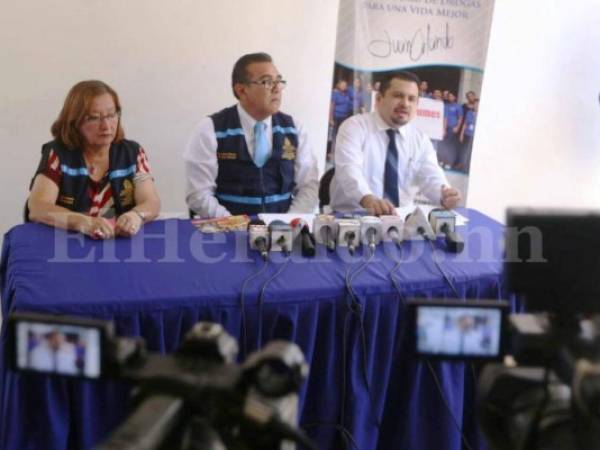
422,42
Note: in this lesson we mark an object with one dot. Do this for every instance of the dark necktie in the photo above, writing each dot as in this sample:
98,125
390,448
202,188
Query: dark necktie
390,174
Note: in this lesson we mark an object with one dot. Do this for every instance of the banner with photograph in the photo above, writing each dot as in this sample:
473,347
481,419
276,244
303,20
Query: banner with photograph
444,42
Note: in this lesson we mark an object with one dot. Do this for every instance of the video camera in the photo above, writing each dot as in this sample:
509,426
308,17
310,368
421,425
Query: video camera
540,388
195,398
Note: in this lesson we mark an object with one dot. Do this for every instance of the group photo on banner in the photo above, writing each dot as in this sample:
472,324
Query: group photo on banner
443,43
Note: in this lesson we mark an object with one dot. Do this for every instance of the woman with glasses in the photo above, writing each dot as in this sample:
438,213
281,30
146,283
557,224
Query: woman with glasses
90,178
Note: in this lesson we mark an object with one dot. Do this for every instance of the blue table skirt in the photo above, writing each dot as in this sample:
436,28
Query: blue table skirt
47,270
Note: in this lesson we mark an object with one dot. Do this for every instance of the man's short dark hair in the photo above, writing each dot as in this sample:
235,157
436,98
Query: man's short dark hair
401,75
240,74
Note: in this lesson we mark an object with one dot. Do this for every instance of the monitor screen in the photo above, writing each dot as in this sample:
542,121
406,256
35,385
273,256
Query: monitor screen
458,331
60,349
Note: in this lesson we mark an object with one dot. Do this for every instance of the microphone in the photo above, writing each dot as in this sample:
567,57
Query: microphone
392,229
370,231
325,230
296,225
417,227
281,236
307,241
443,221
348,233
258,237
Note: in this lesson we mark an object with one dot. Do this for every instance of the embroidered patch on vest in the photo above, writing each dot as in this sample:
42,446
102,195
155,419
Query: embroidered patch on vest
66,200
226,155
126,194
289,151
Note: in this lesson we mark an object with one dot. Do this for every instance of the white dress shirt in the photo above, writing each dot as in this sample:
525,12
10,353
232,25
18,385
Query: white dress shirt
46,359
360,154
202,167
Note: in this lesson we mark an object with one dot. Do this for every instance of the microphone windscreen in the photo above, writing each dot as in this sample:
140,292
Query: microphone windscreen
307,242
276,223
298,222
371,232
298,226
434,212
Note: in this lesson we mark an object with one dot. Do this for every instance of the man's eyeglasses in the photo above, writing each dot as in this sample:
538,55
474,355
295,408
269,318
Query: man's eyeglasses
269,84
97,119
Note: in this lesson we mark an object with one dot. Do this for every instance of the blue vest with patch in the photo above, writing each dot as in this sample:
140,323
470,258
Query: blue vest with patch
74,184
244,188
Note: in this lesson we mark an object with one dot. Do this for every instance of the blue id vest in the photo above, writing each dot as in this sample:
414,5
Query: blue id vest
453,113
122,164
470,120
244,188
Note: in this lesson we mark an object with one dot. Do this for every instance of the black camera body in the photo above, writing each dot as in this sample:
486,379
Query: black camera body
540,386
195,398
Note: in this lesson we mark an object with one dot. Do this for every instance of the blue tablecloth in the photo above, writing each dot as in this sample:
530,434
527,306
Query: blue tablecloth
159,283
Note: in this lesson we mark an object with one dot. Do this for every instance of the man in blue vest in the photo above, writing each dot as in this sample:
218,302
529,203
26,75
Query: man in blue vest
250,157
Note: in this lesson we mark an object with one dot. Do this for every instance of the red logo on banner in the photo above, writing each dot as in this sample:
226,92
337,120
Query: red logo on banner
428,113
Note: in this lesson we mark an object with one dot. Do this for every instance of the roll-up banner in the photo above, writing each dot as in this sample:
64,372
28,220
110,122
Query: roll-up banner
444,42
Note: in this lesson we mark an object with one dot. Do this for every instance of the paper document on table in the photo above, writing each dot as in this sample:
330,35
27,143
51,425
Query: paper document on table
287,218
406,210
173,215
222,224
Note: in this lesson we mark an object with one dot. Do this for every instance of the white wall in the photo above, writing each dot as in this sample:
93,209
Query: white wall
169,60
539,124
538,132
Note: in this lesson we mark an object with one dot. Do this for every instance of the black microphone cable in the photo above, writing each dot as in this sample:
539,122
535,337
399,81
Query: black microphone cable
443,397
249,278
346,435
432,371
344,432
430,367
354,308
261,297
442,271
403,301
421,231
396,284
398,262
434,375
